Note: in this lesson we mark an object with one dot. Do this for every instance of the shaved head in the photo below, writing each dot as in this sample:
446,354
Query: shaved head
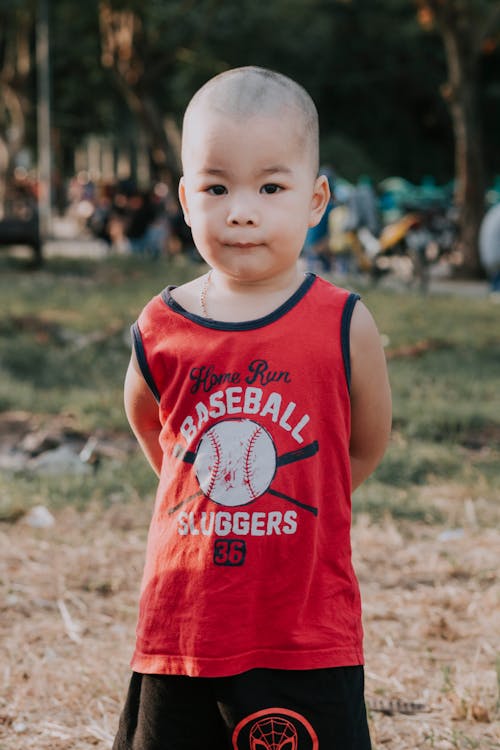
242,93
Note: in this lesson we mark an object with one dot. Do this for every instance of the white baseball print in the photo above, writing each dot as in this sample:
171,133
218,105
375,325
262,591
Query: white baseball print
235,462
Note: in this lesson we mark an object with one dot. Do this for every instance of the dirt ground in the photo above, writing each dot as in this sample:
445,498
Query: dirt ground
68,596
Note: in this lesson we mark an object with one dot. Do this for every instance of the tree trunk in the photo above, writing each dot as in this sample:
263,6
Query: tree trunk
12,142
4,166
163,153
118,35
461,94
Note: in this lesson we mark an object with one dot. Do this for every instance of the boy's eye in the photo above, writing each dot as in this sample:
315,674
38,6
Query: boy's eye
216,190
270,188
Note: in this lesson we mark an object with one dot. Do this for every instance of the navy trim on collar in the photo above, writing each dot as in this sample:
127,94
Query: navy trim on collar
246,325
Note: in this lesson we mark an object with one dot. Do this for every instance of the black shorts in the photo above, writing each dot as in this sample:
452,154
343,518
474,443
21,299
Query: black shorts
263,709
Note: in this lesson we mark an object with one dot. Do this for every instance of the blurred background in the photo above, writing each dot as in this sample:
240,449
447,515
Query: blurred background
91,104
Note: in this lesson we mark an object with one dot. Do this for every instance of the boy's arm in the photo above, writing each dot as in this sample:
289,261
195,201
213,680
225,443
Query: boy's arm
370,397
141,409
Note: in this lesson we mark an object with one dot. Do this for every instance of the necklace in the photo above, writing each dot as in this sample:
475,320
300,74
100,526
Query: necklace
203,294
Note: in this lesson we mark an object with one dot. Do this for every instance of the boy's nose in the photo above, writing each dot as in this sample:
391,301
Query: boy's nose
242,213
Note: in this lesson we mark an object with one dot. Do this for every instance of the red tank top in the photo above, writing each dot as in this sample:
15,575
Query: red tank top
248,559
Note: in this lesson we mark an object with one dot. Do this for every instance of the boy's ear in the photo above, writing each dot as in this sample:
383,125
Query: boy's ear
320,198
183,200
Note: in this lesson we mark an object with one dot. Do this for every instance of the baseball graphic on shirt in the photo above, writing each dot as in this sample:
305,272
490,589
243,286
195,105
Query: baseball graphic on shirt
235,462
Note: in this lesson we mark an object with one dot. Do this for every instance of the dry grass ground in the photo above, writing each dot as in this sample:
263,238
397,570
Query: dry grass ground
68,598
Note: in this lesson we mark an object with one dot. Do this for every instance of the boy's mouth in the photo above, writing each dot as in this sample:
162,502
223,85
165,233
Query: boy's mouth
244,245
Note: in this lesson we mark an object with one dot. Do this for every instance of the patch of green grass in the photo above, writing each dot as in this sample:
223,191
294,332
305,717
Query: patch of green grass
379,500
406,318
44,366
417,464
92,294
443,396
64,338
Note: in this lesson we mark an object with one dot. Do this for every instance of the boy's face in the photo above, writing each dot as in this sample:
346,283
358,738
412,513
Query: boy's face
249,192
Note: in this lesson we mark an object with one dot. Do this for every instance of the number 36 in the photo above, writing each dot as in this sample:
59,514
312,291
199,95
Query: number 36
229,552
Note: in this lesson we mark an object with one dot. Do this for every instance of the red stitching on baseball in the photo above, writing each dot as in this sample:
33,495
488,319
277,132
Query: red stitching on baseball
247,468
216,446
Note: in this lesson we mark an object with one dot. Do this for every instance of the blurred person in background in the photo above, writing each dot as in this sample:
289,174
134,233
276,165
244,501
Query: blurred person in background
489,247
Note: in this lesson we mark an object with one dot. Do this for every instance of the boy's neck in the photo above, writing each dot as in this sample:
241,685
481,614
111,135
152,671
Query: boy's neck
236,300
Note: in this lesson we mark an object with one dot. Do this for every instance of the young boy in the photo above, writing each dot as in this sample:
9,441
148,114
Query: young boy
260,397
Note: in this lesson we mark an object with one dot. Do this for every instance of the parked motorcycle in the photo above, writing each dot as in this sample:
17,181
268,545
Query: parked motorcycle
400,243
422,234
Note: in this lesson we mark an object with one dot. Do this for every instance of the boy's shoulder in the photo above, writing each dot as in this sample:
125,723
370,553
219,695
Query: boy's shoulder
172,297
331,290
187,295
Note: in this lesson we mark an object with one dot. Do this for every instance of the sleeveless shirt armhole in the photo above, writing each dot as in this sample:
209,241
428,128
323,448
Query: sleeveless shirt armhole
345,335
143,362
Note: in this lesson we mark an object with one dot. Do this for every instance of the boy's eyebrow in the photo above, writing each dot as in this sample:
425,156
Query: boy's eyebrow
276,168
212,170
267,170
